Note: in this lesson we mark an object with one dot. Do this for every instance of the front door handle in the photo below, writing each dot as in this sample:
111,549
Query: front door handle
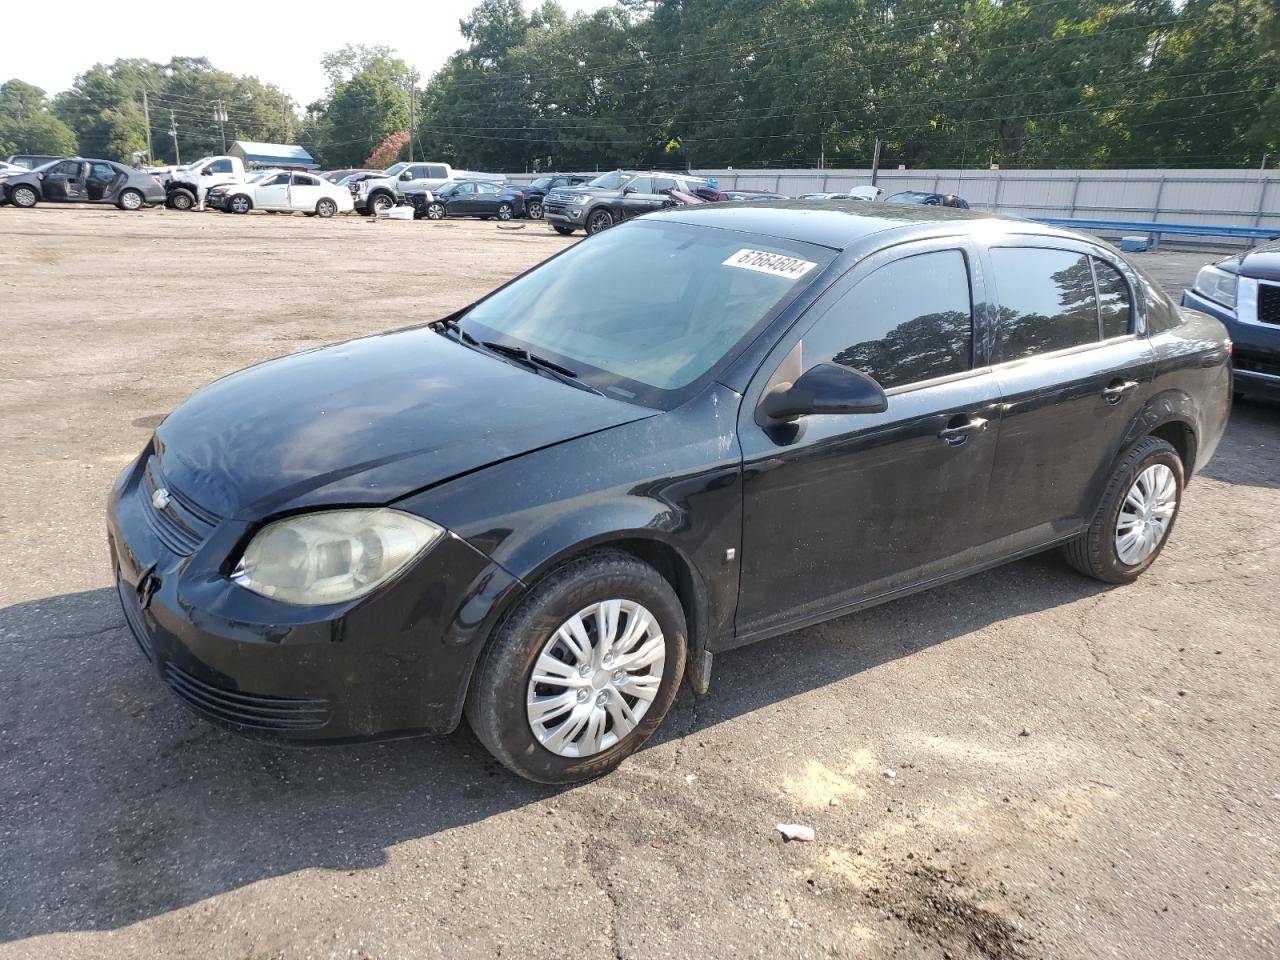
958,434
1117,389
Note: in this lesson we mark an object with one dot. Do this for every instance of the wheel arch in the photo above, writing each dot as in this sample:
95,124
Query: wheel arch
1172,417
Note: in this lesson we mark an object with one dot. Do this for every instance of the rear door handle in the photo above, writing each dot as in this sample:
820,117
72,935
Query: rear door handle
1115,391
960,432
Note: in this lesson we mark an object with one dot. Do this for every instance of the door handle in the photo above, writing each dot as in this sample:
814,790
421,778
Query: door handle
1118,389
954,436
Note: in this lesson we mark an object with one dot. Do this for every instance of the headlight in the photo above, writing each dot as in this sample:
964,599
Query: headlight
1218,285
581,198
333,555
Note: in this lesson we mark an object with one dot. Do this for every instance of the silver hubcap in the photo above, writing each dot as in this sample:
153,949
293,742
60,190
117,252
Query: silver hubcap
132,201
504,213
24,196
1146,513
239,205
435,212
326,209
535,211
596,678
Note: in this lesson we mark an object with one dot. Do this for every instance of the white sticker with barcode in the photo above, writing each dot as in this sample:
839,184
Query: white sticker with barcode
775,264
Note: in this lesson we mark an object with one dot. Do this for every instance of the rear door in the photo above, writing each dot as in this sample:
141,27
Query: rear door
842,509
1070,352
485,201
304,192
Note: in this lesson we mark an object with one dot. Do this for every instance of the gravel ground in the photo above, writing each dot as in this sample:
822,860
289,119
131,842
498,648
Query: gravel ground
1024,764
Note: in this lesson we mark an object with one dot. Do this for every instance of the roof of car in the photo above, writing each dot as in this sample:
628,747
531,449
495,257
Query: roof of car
836,224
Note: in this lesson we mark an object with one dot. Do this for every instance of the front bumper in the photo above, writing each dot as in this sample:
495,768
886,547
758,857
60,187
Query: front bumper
1255,359
564,215
394,663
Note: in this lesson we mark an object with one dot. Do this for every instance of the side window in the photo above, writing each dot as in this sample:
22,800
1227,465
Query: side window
103,171
70,168
663,185
466,188
220,166
1047,301
911,320
1114,300
279,180
640,185
301,180
487,187
436,171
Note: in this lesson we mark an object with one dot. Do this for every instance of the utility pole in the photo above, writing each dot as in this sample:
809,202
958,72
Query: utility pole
284,117
875,163
173,132
220,116
411,130
146,115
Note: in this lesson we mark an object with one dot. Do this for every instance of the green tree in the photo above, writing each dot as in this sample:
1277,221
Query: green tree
367,99
27,126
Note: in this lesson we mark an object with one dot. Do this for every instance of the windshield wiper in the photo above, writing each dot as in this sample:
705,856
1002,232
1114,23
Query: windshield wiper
449,323
540,364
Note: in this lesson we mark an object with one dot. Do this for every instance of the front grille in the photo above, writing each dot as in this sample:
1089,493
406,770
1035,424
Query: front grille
182,524
1269,303
559,196
133,617
246,709
1256,361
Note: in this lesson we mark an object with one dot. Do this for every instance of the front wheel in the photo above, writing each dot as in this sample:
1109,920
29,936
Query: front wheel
326,208
378,203
599,220
435,210
582,671
181,199
1138,510
533,210
563,231
23,196
241,204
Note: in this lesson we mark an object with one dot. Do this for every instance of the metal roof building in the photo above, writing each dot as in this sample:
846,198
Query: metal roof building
272,155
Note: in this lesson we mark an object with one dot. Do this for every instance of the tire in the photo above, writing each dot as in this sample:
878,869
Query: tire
1150,464
505,212
436,210
181,200
598,220
502,687
563,231
24,196
379,202
533,209
326,208
131,200
240,203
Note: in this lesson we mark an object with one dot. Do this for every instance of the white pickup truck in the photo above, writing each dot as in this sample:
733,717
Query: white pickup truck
188,186
374,193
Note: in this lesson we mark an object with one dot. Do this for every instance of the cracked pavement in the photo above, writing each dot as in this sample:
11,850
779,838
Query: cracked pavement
1138,818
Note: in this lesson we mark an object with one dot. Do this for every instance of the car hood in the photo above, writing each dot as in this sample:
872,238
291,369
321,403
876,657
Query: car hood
1262,263
366,422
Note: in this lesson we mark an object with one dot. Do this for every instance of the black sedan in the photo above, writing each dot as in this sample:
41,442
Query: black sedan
707,427
77,180
470,198
928,199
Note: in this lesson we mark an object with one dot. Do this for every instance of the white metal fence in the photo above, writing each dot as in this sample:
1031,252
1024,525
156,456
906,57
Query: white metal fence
1239,198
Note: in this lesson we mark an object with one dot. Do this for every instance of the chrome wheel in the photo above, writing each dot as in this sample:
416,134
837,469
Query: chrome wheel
504,211
435,211
131,200
596,678
534,210
380,202
326,208
23,196
600,220
1145,514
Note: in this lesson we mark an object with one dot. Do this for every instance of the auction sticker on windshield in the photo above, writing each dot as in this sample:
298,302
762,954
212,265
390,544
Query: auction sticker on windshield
777,264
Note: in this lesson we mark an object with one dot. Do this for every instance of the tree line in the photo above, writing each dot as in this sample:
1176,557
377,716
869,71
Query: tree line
712,83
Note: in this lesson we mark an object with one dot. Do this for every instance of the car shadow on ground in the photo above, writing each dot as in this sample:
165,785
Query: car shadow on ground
120,805
1250,449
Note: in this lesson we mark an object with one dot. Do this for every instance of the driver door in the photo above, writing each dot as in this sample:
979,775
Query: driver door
66,181
273,193
840,509
638,197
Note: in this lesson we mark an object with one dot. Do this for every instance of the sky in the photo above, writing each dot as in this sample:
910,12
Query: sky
248,39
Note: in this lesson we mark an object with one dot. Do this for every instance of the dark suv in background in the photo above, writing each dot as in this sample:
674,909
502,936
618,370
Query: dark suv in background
1243,292
536,193
613,197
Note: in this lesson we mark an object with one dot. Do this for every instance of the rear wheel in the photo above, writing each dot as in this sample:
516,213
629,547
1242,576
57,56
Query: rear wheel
598,220
582,671
23,196
1138,510
533,209
131,200
504,211
326,208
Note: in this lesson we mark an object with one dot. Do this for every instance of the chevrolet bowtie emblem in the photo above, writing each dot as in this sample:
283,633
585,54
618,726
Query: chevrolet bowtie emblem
160,498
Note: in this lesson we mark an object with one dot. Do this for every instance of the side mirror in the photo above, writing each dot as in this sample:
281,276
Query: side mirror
406,175
825,389
207,172
626,190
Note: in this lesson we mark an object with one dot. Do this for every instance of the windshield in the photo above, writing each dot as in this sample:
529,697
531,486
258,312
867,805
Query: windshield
394,169
542,183
648,310
612,181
